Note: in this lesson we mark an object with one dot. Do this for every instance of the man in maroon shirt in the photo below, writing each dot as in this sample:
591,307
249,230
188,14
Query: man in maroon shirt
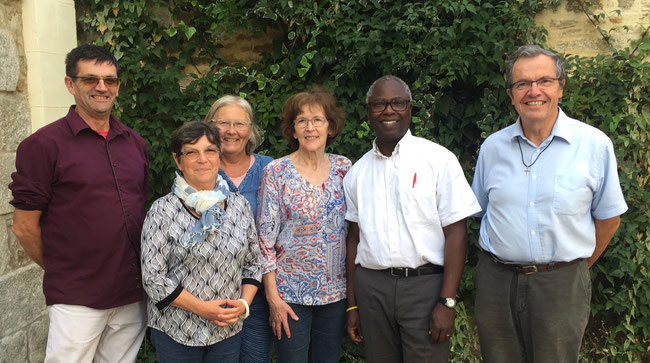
79,190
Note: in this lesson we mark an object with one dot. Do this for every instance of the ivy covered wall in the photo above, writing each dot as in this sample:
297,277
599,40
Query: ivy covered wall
175,60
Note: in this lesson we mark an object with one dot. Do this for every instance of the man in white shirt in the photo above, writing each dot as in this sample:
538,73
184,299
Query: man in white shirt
407,201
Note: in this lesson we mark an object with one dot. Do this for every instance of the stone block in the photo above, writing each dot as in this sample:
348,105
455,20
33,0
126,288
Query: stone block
14,348
21,301
14,120
37,339
4,246
9,64
17,256
7,166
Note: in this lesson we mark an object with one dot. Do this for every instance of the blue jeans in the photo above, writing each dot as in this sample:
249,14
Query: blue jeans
256,333
316,336
170,351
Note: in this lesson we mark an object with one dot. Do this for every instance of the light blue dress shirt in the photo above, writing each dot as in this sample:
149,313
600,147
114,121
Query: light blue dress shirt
547,214
251,183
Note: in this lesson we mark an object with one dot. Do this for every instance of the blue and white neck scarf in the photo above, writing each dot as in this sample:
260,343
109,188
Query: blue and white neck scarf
204,202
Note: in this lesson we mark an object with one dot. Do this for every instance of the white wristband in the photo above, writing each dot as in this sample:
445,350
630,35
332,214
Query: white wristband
248,310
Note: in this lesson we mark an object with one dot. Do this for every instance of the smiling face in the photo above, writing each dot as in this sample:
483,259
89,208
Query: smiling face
201,173
311,138
233,141
93,102
536,105
389,125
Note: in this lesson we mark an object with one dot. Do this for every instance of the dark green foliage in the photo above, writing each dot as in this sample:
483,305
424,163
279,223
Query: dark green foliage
451,53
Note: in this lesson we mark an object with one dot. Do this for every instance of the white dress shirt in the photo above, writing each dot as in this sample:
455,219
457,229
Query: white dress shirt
402,202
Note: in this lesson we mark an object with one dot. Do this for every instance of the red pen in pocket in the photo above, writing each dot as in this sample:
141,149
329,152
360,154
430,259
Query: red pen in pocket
415,178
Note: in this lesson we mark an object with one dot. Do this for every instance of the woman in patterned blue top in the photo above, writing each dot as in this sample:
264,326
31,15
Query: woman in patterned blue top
242,169
201,263
302,230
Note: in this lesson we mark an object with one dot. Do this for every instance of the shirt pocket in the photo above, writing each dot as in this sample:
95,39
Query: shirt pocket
571,195
420,206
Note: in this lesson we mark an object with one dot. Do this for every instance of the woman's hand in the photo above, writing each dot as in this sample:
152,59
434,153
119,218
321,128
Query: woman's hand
278,311
223,312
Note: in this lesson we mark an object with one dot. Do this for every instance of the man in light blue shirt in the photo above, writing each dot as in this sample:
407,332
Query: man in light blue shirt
551,198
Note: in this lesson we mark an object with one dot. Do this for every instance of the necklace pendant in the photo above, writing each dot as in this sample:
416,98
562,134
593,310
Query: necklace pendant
527,170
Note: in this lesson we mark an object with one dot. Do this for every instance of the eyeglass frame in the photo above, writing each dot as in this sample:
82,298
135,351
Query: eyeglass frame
317,121
107,80
386,103
528,84
232,124
198,154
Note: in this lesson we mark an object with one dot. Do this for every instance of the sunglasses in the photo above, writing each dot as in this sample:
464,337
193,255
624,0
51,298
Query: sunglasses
92,81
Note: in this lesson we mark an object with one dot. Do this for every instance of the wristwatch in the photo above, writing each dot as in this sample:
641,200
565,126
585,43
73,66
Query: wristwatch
448,302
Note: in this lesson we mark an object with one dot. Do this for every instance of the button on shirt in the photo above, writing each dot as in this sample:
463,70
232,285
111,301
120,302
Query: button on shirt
402,202
546,215
92,192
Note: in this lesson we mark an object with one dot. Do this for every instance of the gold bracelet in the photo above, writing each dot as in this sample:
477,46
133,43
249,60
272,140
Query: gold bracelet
351,308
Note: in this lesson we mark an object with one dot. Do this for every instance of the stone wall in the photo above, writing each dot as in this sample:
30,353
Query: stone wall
23,318
570,30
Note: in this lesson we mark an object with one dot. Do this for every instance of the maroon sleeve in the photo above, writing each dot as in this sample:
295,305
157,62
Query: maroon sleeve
31,184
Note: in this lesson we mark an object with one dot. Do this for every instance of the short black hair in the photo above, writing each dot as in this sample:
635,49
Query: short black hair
191,132
88,52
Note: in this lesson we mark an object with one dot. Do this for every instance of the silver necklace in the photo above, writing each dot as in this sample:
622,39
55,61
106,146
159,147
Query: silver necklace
527,170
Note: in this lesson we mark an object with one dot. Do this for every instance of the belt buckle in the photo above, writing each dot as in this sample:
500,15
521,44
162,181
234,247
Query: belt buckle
533,269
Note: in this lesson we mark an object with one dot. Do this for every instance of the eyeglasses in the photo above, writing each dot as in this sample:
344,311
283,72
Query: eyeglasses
396,104
192,155
302,122
544,82
92,81
239,125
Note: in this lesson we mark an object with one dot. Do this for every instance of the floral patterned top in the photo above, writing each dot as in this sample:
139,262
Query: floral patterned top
302,232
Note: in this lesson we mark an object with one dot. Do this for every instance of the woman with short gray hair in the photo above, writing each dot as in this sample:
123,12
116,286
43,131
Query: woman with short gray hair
241,169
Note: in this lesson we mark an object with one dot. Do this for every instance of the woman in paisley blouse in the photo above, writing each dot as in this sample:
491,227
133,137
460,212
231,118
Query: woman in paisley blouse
301,225
201,263
242,169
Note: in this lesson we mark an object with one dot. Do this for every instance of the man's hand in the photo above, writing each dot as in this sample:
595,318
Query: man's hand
27,228
353,326
441,323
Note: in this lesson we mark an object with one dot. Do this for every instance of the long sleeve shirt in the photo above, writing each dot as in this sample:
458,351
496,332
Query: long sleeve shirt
210,270
92,192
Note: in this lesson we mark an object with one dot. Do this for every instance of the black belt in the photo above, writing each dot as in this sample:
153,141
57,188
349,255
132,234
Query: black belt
428,269
529,269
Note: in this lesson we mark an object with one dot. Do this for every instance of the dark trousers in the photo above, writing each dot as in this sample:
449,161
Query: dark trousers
531,318
256,336
170,351
316,336
395,315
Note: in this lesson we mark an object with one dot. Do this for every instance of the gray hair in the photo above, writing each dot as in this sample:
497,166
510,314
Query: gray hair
254,137
388,78
530,51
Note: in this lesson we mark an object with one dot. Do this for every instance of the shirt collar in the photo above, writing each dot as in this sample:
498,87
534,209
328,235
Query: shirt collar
76,123
560,128
400,145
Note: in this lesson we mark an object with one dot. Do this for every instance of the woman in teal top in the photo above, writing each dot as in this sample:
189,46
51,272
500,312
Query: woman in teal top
242,169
